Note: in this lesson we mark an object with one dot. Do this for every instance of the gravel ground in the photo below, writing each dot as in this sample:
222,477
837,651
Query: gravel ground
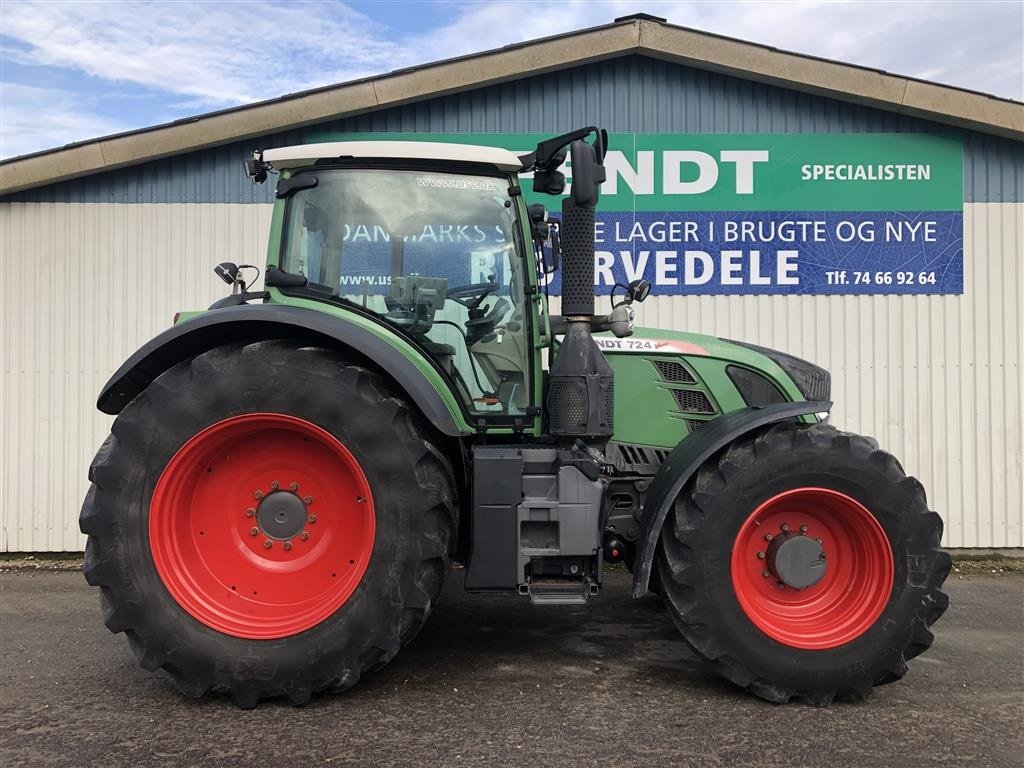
491,681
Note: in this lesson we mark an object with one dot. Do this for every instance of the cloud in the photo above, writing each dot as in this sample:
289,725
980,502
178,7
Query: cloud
34,118
200,56
216,54
973,45
224,53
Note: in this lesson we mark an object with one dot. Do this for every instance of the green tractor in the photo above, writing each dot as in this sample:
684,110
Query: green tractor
292,472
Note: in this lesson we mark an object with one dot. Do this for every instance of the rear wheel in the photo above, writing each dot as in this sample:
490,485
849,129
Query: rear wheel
268,520
805,564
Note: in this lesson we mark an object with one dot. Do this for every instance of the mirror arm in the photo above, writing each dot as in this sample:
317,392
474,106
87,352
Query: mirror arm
544,156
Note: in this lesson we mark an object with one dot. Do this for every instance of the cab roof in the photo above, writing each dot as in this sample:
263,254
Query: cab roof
307,154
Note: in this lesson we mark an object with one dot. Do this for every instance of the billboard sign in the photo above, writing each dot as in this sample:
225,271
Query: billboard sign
865,213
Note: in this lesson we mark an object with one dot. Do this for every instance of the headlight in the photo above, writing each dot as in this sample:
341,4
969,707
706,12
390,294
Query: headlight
814,382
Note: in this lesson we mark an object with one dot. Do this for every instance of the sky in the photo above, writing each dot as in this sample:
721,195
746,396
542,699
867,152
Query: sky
71,71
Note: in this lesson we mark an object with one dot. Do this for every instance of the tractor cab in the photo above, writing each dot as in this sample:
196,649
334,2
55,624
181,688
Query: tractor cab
429,239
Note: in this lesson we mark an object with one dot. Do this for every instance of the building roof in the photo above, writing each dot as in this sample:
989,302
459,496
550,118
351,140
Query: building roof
639,34
306,154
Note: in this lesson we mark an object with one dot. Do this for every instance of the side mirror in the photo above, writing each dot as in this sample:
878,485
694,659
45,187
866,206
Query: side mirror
638,290
227,271
588,174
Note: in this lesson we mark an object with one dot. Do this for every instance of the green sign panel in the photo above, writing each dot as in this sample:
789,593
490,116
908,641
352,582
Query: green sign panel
859,213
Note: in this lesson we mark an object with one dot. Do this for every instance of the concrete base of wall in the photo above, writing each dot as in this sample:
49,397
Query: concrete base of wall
982,553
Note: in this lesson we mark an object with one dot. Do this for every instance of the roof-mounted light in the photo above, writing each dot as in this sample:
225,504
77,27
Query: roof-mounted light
255,168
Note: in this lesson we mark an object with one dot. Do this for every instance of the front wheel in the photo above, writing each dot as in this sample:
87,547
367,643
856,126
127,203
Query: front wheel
268,520
804,564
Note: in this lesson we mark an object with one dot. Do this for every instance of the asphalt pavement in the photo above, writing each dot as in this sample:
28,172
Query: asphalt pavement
492,681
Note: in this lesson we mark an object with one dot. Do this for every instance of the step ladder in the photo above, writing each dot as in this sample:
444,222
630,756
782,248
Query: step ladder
559,591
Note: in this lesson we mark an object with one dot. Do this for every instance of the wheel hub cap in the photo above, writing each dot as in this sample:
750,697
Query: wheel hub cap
281,515
797,561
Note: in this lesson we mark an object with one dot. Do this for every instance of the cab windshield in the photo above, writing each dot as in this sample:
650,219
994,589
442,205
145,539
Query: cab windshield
434,255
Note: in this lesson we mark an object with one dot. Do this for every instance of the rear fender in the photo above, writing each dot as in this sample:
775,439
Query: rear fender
684,461
260,322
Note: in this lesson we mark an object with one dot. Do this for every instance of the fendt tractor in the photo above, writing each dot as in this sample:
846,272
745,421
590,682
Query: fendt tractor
292,472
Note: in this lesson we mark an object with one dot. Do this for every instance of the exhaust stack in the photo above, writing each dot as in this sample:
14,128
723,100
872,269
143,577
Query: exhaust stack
581,387
577,235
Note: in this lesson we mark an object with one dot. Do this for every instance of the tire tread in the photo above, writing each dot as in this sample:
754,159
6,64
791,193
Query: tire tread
418,589
677,562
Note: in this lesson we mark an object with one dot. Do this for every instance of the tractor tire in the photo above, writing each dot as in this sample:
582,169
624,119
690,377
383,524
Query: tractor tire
268,520
804,564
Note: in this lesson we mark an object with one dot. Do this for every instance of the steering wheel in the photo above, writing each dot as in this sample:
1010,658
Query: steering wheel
472,295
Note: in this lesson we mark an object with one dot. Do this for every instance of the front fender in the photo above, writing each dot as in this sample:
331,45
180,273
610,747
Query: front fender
684,461
260,322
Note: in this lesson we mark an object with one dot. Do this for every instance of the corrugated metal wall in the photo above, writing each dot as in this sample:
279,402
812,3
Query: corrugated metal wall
97,266
86,285
937,379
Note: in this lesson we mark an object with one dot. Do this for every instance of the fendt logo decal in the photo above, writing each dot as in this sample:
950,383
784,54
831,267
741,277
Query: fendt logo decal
658,346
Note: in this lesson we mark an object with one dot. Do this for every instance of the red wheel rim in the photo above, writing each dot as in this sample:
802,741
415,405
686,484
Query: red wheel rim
262,525
858,569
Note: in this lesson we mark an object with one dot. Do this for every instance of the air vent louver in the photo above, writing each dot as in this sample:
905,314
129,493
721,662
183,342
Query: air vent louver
673,372
692,401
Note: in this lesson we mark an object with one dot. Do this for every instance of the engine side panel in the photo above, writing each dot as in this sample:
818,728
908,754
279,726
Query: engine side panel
669,384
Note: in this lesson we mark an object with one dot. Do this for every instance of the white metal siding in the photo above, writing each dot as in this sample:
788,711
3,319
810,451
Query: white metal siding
935,378
85,286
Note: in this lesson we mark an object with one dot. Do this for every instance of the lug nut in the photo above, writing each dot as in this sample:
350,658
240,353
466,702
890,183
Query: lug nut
361,499
803,529
310,518
765,573
287,546
308,499
780,586
768,537
258,495
293,487
274,485
304,536
250,512
760,555
784,527
818,540
268,544
254,531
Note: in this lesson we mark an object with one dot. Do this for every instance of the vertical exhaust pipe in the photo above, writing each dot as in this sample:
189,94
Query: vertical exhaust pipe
577,241
580,400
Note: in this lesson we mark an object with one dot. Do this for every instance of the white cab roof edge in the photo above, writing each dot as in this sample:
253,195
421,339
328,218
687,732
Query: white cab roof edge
307,154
